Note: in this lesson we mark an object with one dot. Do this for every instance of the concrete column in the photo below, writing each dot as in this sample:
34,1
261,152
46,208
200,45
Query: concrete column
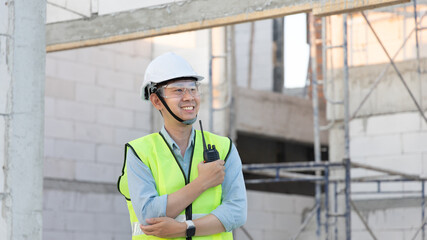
22,77
220,81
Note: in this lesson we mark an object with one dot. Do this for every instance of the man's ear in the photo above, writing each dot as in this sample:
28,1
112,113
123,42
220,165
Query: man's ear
156,101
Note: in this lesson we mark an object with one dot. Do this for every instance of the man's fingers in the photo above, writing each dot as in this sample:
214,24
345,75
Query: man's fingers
146,229
218,162
152,227
152,221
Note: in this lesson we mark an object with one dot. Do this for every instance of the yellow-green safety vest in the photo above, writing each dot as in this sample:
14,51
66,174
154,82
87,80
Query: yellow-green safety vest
156,154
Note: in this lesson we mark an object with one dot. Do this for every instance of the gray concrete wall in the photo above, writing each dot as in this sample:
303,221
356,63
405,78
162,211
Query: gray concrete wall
92,109
277,115
275,216
390,96
389,133
388,129
394,219
262,60
84,210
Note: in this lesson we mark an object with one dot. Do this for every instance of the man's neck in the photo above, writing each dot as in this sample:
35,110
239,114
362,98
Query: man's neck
180,134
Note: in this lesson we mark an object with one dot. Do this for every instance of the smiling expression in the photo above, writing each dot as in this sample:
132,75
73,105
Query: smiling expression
185,107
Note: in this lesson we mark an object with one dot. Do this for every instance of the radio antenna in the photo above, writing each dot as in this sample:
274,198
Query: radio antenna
210,153
203,136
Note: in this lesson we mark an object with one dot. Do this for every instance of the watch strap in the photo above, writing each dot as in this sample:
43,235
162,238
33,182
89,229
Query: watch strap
191,229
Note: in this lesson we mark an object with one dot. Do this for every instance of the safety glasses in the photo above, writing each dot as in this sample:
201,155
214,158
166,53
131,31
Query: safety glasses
178,89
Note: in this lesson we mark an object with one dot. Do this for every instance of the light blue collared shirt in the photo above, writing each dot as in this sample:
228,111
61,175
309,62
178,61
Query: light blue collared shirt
147,203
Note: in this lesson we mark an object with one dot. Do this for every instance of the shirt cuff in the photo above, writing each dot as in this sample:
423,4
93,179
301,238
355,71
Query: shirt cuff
225,218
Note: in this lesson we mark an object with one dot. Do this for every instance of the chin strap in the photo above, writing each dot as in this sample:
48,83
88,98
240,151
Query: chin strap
186,122
190,121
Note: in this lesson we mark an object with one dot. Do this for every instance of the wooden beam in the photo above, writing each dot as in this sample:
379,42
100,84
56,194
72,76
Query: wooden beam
184,16
325,8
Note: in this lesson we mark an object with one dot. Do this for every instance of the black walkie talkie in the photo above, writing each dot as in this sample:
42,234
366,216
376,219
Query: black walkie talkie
210,154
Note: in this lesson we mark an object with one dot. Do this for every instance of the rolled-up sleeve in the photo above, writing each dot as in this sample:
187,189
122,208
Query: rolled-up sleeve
233,210
145,200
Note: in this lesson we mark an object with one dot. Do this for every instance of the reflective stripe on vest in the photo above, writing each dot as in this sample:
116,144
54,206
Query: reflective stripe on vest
169,177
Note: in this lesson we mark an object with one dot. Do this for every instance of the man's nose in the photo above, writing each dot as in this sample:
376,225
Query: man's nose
187,94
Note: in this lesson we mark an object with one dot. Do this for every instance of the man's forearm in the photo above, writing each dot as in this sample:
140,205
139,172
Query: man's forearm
180,199
165,227
210,175
208,225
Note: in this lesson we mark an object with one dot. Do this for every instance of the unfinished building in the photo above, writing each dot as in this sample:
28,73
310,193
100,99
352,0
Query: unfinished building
97,54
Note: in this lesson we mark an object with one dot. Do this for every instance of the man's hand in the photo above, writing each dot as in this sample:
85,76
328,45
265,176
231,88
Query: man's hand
164,227
211,174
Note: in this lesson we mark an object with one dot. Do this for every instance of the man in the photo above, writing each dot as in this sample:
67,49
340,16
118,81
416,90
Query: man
170,191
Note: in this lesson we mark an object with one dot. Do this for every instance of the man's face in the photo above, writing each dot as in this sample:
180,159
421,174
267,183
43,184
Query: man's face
182,97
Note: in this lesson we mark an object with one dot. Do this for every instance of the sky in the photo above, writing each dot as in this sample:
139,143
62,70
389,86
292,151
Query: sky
296,51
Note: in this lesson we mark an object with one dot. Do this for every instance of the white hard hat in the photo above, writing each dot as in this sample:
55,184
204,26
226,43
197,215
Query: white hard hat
163,68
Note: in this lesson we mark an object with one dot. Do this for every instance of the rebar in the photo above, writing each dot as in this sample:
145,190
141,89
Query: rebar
423,206
419,229
347,160
314,93
395,68
246,233
417,47
336,209
379,78
326,176
68,10
306,221
251,50
210,82
363,221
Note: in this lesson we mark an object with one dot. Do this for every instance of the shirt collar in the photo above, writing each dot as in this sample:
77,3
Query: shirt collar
172,143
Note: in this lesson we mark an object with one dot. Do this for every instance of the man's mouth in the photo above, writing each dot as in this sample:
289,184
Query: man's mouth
188,108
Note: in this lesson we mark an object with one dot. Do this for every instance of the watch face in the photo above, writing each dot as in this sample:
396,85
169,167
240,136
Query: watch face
191,231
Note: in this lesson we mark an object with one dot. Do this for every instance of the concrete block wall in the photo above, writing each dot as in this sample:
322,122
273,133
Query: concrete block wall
292,116
363,48
389,96
75,215
394,219
279,216
92,109
392,141
262,63
389,133
275,216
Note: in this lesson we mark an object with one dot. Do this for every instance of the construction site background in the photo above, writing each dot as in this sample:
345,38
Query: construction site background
93,107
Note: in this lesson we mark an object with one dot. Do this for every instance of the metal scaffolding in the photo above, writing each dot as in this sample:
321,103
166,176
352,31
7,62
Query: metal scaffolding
296,171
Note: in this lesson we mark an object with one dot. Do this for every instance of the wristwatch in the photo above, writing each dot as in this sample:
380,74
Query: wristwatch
191,229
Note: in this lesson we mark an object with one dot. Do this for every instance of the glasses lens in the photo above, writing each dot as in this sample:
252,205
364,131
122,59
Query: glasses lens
178,89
